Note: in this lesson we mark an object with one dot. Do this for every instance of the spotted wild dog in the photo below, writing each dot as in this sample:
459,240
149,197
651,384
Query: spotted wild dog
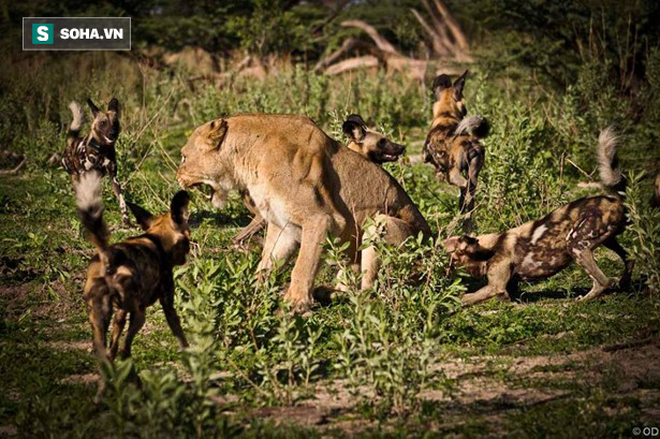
130,275
452,145
368,143
539,249
96,151
306,185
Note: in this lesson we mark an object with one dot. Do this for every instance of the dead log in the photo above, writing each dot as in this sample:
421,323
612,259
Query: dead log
381,42
368,61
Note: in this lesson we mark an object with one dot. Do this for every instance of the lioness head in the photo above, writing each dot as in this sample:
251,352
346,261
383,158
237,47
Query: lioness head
204,161
370,144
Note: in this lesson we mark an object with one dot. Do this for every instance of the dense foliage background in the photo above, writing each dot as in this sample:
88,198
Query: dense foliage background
402,358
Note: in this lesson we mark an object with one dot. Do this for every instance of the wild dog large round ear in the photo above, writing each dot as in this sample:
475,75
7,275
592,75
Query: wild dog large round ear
217,131
440,83
113,105
179,207
93,107
458,86
355,128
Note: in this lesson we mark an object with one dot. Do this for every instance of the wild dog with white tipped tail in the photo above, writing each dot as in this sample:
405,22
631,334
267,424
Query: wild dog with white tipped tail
96,151
128,276
539,249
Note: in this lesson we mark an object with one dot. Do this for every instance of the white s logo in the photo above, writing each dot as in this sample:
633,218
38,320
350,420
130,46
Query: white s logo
43,33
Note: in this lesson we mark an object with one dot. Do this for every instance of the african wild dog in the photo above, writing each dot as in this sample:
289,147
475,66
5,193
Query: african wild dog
368,143
96,151
541,248
452,145
130,275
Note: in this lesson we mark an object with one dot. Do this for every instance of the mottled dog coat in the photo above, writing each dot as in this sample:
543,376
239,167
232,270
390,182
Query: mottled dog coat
96,151
452,145
541,248
131,275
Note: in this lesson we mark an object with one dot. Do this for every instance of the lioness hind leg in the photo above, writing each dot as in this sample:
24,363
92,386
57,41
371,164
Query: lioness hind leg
396,231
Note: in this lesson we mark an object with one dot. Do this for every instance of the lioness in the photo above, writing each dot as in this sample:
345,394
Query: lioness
369,143
305,185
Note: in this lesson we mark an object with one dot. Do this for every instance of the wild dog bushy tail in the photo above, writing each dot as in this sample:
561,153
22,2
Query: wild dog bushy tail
90,210
78,119
608,161
473,125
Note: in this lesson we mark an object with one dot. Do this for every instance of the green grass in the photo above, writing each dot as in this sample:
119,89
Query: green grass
380,350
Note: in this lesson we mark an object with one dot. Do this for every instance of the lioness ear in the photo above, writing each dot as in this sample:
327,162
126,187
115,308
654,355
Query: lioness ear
143,216
217,131
355,128
93,107
179,207
440,83
458,86
113,105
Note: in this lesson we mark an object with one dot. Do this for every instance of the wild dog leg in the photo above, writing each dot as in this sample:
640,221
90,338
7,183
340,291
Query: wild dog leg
585,258
100,313
314,232
629,264
116,188
498,278
467,203
167,302
118,323
137,321
251,229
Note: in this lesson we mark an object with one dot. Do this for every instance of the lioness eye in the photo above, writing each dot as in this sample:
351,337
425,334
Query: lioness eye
183,159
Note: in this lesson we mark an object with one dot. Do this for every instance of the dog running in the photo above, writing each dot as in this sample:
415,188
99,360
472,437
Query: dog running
96,151
452,145
130,275
539,249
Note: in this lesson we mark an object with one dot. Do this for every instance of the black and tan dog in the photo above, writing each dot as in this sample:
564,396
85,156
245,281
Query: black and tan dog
130,275
369,143
539,249
452,145
96,151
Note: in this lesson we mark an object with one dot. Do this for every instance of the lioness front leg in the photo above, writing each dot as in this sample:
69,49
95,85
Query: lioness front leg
314,232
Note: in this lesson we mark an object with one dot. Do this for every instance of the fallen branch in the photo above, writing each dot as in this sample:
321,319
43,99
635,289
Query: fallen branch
381,42
352,64
15,170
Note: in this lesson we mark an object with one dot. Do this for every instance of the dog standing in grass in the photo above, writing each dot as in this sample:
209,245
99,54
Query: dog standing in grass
130,275
96,151
539,249
452,145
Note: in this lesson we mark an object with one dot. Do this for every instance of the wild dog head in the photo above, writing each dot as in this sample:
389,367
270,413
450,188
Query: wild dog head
105,124
470,253
170,228
448,110
205,161
370,144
